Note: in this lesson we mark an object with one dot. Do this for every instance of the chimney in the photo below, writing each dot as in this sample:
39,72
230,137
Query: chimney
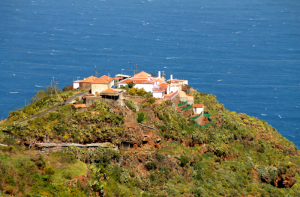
148,77
159,76
171,77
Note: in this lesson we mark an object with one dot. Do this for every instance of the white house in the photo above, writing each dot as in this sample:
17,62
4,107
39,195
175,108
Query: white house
156,85
101,84
76,84
198,108
177,82
141,80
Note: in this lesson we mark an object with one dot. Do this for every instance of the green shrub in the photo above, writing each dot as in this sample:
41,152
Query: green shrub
65,158
141,92
151,165
141,117
159,156
67,175
9,148
208,155
199,192
39,161
68,88
48,170
261,149
184,160
151,100
131,84
131,105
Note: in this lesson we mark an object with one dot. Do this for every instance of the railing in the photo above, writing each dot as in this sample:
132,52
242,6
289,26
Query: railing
206,115
186,108
194,118
171,97
205,124
181,104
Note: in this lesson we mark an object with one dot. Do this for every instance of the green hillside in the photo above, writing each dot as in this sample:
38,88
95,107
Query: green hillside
161,152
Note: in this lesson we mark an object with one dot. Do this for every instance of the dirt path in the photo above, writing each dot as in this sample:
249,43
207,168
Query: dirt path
69,100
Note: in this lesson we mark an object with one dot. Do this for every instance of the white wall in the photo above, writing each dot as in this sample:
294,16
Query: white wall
121,84
197,110
147,87
185,82
157,94
101,87
174,89
75,85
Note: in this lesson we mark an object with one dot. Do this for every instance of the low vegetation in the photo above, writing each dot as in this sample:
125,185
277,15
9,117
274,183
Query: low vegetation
236,155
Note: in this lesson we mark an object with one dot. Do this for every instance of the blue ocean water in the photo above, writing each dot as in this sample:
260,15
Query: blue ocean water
245,52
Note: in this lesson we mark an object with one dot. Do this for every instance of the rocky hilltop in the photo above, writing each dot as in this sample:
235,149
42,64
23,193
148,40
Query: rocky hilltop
160,150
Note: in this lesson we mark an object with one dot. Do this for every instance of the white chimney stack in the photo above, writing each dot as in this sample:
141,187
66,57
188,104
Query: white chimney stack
159,76
171,77
148,77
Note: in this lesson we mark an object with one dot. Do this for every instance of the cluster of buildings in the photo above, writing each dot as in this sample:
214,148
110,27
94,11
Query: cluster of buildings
158,86
106,87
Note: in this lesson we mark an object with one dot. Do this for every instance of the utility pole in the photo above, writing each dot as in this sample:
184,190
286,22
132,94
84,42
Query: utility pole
51,86
25,102
55,87
135,69
95,71
163,73
129,72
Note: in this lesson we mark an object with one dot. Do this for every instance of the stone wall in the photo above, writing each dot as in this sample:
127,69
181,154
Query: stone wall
91,100
176,100
83,85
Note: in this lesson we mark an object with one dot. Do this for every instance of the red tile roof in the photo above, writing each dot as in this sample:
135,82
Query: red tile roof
103,80
198,105
109,91
142,75
137,80
86,95
89,79
163,85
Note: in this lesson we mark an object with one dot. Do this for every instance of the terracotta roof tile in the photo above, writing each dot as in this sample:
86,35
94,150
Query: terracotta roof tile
142,75
103,80
137,81
109,91
89,79
163,85
198,105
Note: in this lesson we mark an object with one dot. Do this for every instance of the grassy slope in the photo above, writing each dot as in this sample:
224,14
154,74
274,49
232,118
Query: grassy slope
22,173
236,155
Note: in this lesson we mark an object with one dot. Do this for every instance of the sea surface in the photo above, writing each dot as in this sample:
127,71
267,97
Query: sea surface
247,53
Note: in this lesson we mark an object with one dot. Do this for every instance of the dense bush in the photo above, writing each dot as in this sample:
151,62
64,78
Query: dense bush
131,105
151,165
141,117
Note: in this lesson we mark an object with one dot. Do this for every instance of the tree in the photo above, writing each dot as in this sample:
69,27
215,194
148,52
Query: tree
51,90
132,91
48,170
39,95
131,84
141,117
68,88
186,88
141,92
